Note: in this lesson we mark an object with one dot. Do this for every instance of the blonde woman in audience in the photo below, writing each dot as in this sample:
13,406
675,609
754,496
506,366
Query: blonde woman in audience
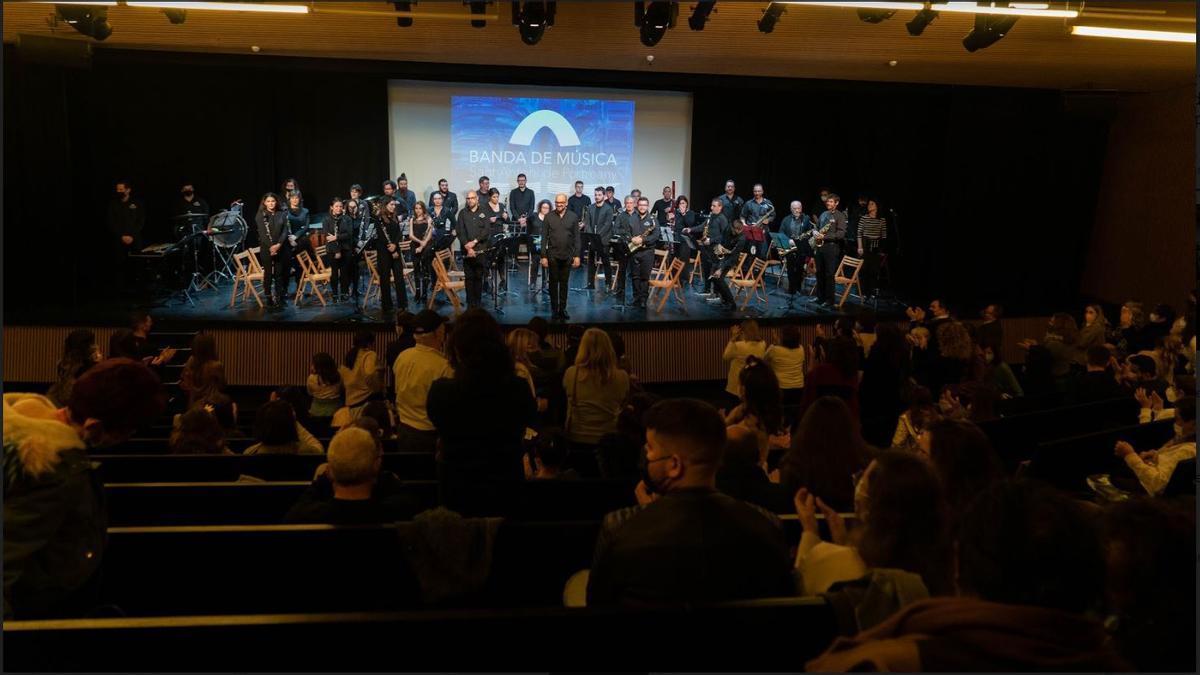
362,377
324,386
203,372
521,343
596,391
744,340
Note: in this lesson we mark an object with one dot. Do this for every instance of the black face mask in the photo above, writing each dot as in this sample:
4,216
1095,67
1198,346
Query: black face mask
188,193
651,487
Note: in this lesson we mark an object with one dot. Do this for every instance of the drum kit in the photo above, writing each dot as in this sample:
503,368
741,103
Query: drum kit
226,231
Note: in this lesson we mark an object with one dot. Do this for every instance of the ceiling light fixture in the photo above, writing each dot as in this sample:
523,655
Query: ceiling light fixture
653,19
532,19
225,6
406,7
1134,34
89,20
988,31
1004,10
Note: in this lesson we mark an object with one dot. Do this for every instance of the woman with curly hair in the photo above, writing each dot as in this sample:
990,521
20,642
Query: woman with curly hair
953,363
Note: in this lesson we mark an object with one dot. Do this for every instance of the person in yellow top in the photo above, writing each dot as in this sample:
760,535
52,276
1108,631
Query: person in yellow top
415,371
1153,468
744,340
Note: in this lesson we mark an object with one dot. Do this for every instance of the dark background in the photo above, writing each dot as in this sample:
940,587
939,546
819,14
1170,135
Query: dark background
995,188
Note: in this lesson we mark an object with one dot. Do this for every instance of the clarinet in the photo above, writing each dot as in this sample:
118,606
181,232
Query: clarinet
388,238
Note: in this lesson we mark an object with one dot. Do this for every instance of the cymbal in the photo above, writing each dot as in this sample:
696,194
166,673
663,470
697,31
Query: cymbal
189,215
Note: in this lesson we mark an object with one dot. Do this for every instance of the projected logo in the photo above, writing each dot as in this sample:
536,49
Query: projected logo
554,141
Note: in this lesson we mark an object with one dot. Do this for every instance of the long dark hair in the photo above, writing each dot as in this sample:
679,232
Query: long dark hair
275,424
477,351
963,458
363,339
199,433
906,525
78,349
890,346
204,351
279,205
827,450
760,394
843,353
326,368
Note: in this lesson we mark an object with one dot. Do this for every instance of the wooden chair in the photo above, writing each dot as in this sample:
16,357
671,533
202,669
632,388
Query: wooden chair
448,264
659,271
313,277
752,283
668,284
373,284
444,284
775,267
849,282
614,266
696,269
810,272
246,272
409,268
319,257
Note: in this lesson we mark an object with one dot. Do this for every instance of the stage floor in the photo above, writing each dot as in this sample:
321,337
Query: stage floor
210,308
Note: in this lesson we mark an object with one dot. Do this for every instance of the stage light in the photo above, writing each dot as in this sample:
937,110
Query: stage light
477,8
176,16
404,21
90,20
224,6
1004,9
876,16
700,14
988,31
860,5
654,19
532,19
921,21
771,17
1133,34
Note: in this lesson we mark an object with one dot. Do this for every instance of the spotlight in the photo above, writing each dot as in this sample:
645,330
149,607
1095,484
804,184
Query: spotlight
771,16
533,19
700,14
921,21
989,29
477,8
90,20
654,20
876,15
176,16
404,21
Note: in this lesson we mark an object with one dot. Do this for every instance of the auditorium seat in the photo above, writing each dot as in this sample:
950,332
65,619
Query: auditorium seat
200,468
1015,437
728,637
1066,463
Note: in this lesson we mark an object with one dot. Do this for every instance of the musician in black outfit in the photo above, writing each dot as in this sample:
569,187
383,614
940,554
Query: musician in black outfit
443,218
193,206
389,261
560,253
498,216
622,232
757,214
685,245
578,201
719,232
645,234
420,237
536,228
297,217
406,196
340,237
449,199
359,213
275,251
610,195
731,204
795,226
389,191
474,232
662,206
596,231
521,202
828,249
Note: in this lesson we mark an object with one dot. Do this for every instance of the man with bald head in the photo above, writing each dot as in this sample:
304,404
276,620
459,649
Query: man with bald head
474,230
560,252
686,542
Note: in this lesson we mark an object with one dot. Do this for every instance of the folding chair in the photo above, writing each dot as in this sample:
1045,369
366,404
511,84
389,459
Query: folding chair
445,285
312,276
668,284
849,282
373,284
752,283
696,269
246,272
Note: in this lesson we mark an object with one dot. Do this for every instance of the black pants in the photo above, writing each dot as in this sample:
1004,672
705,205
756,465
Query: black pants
869,276
708,264
345,273
423,269
685,253
640,264
275,271
828,257
473,269
409,439
795,263
591,246
535,264
559,274
622,273
391,270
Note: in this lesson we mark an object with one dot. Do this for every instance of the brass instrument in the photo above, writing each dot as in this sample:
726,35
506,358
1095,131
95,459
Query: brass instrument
634,248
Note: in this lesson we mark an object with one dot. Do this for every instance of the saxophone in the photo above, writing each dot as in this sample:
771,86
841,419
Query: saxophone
634,248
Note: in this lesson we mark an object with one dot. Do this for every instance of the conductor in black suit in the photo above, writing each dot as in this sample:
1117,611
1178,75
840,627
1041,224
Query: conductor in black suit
560,252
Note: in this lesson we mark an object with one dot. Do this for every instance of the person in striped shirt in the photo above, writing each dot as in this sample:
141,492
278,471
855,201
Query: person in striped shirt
872,230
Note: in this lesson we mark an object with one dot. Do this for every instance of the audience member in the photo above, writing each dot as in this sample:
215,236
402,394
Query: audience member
276,430
351,489
596,391
54,515
913,422
1061,340
550,364
743,472
547,458
1039,377
480,414
619,454
885,372
963,458
1030,571
1095,329
837,376
1159,324
203,372
685,542
1153,468
1141,372
362,376
224,410
405,338
1129,335
521,342
80,352
382,414
1098,382
135,342
938,315
415,372
789,360
324,386
899,503
574,336
1151,551
999,376
298,398
952,364
827,451
990,333
760,407
198,433
744,340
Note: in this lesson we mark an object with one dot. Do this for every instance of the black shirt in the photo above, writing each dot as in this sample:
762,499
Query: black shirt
577,203
690,546
126,218
272,227
340,232
389,503
684,222
560,239
598,220
443,221
646,227
623,225
449,201
298,222
732,208
521,203
719,231
660,209
197,208
752,211
474,226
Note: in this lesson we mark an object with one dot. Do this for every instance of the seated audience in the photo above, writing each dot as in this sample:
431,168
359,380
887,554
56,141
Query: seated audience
954,361
744,340
999,376
1061,340
760,408
548,457
54,516
278,432
224,410
1129,336
351,489
1142,373
1095,329
80,352
912,423
1153,468
203,372
990,332
480,414
743,472
1098,382
596,391
903,525
379,411
198,433
964,460
619,453
134,343
299,400
1159,322
1030,572
324,386
827,451
415,371
1151,551
837,376
685,542
885,372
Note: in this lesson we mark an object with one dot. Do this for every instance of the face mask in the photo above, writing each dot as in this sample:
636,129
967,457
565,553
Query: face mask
188,193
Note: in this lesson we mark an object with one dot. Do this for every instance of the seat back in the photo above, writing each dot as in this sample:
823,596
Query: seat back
1066,463
854,265
226,468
